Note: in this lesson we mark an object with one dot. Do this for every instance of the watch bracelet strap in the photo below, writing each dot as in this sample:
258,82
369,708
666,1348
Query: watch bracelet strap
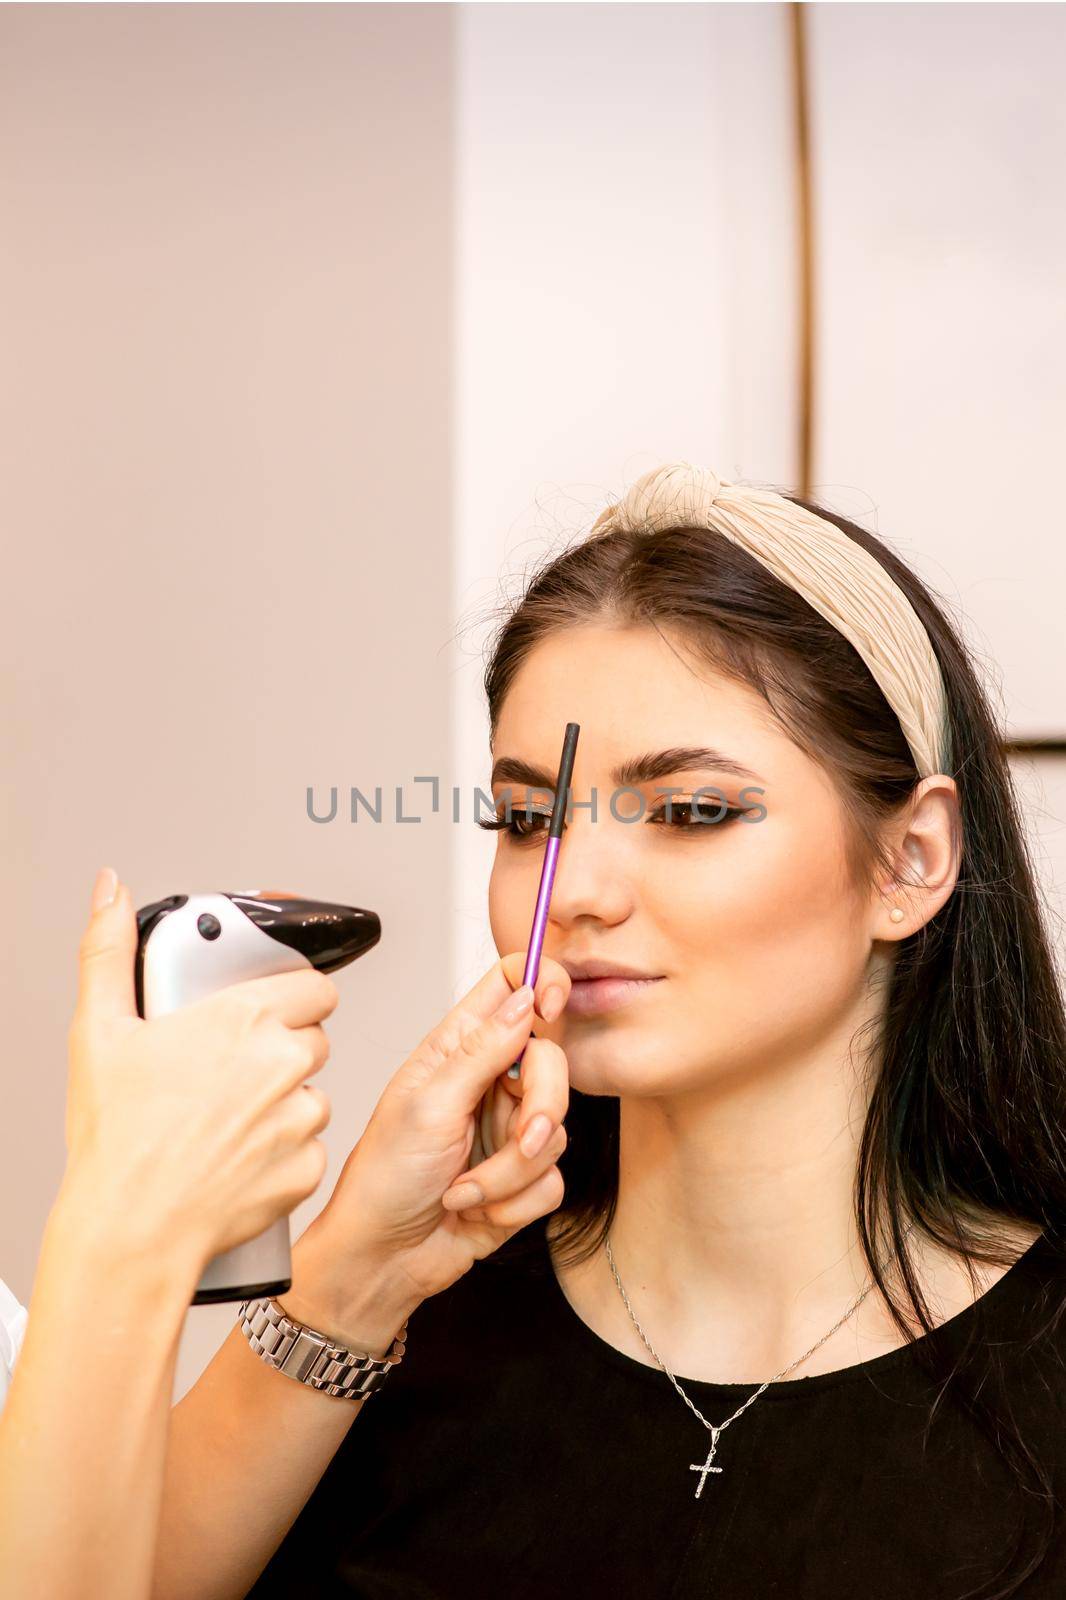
310,1357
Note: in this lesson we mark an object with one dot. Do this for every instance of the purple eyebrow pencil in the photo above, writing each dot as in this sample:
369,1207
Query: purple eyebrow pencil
547,871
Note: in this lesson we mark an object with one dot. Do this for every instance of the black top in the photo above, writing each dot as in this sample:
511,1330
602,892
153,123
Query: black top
514,1453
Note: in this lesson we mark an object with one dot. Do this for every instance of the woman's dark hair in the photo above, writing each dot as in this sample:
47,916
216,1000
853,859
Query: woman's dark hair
967,1118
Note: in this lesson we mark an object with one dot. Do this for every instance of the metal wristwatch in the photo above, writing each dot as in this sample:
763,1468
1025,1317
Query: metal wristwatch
310,1357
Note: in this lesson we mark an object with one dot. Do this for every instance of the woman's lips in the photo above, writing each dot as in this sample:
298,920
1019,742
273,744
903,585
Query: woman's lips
591,997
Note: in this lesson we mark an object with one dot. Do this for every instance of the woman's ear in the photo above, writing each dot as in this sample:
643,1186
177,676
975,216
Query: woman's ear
926,843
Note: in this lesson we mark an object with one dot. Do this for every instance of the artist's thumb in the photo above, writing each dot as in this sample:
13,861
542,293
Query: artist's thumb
107,952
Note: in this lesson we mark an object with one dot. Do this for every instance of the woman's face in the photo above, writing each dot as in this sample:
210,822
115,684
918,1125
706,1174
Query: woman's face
757,938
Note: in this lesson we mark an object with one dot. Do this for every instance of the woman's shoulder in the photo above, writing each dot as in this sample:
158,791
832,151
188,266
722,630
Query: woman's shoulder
1037,1275
1019,1321
1031,1263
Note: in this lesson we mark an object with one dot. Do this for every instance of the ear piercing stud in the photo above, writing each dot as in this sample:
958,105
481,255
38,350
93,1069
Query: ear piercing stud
896,915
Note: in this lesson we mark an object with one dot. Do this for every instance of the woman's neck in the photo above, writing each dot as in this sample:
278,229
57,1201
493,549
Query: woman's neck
735,1235
735,1218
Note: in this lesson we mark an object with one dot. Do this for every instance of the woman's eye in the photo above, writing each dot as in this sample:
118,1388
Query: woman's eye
523,824
707,814
520,825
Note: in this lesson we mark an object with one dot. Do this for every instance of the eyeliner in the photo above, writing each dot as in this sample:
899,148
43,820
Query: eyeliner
547,871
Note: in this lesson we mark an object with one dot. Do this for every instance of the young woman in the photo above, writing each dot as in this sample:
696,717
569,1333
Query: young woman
786,1318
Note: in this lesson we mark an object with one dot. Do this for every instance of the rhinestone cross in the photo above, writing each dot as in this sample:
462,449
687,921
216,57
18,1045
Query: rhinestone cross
703,1467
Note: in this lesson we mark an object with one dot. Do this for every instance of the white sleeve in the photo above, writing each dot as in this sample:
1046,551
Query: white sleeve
12,1328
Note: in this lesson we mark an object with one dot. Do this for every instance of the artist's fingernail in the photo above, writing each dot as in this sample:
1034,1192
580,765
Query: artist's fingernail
463,1195
552,1003
105,888
535,1137
516,1005
514,1070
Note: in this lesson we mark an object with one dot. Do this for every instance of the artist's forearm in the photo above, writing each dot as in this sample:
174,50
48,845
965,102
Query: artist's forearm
248,1445
83,1430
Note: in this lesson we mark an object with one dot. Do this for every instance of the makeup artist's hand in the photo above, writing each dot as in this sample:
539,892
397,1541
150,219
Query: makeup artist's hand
202,1116
386,1221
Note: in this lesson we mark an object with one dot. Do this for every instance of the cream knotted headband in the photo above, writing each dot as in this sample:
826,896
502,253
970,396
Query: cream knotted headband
835,575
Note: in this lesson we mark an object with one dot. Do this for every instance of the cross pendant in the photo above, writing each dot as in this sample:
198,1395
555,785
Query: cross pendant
703,1467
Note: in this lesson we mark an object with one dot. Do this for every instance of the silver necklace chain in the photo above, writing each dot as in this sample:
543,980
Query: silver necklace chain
704,1467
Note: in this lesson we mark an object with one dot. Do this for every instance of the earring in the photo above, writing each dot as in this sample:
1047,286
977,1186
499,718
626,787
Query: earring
896,914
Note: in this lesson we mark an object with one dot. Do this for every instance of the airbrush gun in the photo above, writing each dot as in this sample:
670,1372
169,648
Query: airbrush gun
188,946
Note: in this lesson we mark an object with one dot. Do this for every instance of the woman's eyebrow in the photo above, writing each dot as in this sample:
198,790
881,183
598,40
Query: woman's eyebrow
638,769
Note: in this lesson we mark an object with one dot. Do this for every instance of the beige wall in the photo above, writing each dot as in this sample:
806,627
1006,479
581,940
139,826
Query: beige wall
226,290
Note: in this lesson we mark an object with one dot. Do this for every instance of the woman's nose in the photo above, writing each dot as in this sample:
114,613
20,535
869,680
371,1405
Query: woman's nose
596,872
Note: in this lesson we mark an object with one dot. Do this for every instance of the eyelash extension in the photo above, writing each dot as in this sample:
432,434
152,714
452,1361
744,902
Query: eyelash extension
498,823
